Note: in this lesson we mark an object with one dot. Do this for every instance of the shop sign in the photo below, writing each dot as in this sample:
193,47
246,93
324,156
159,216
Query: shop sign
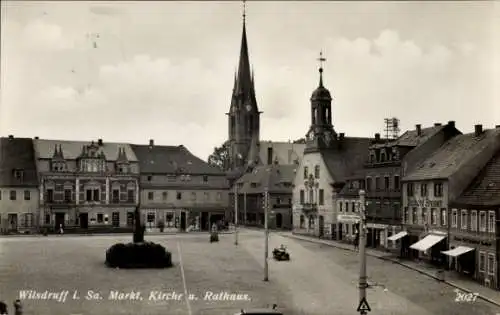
425,203
376,226
472,241
348,218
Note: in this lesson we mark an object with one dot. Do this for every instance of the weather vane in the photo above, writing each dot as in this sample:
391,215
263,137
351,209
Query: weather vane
244,10
321,59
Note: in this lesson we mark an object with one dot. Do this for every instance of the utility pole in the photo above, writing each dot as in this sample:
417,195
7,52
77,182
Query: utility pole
266,229
236,213
362,249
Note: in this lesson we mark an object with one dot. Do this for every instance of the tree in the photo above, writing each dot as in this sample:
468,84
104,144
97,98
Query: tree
220,157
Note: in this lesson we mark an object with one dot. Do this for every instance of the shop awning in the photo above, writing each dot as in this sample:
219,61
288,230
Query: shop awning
397,236
457,251
427,242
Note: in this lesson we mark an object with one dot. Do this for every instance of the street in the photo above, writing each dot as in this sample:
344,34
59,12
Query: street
316,281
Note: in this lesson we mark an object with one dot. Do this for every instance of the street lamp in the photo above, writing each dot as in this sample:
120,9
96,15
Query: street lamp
362,250
236,213
266,229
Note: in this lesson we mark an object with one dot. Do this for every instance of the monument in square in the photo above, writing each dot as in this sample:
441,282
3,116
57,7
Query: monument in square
138,253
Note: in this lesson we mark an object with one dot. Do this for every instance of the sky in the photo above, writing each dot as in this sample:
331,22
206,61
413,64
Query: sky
130,71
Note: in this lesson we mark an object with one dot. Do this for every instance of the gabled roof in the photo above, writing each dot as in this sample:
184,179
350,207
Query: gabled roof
484,190
44,149
284,152
276,178
453,155
412,139
160,159
350,157
17,154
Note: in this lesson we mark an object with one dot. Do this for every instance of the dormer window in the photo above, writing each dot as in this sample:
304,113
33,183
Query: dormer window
18,174
372,156
383,156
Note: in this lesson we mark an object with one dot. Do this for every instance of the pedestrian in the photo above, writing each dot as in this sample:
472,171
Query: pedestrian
61,231
3,308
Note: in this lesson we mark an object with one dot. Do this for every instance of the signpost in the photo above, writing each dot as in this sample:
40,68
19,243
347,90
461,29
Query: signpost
363,306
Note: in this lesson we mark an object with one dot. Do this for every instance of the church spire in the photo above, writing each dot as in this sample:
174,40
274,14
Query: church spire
244,76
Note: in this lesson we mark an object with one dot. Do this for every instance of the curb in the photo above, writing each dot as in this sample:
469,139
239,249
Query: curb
396,262
110,234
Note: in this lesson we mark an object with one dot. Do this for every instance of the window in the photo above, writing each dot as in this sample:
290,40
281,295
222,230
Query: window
130,218
13,195
164,195
368,183
353,206
396,182
18,174
47,219
302,221
482,221
150,178
306,172
454,218
491,221
425,217
382,156
377,183
151,195
151,217
463,219
179,195
96,195
219,196
434,216
206,195
444,213
491,264
406,218
116,195
302,196
321,197
193,196
482,261
409,189
50,195
473,220
131,195
340,206
387,183
205,178
115,219
438,190
27,195
100,218
414,216
67,195
423,190
316,171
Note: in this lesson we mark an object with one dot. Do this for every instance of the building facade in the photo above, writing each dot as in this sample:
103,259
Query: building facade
19,204
179,190
475,228
250,188
348,207
329,158
429,188
85,185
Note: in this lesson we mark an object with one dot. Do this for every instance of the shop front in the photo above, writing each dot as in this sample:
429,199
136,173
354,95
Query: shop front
431,245
471,257
376,235
347,227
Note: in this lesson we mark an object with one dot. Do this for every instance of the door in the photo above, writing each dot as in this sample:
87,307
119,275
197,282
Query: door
84,220
12,217
340,232
115,219
279,220
183,221
321,226
59,220
204,221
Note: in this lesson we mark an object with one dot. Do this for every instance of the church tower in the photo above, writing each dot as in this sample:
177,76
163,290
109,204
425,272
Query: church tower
244,115
321,134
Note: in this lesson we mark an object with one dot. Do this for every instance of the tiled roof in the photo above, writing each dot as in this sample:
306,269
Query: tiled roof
44,149
276,178
453,155
484,189
17,154
158,159
350,157
412,139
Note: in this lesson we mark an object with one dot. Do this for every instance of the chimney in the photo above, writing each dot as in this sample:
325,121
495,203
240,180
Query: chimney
419,130
99,142
478,130
451,123
11,137
377,136
36,138
437,124
151,142
341,136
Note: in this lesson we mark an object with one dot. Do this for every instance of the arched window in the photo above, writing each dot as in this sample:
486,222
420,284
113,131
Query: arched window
316,171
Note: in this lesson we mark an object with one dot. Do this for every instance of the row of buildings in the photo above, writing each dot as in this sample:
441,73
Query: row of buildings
76,184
